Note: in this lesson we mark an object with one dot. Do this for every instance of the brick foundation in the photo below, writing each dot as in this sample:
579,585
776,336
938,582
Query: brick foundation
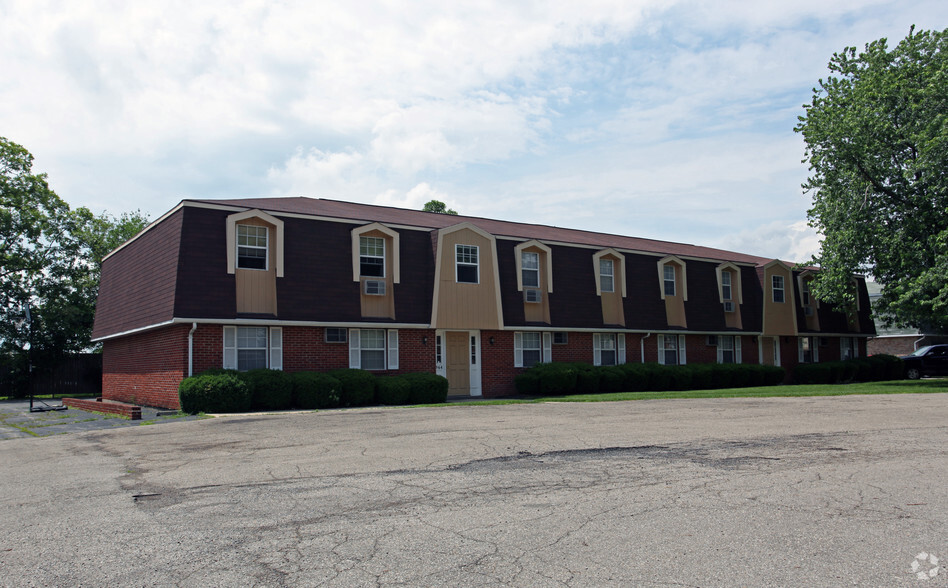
129,411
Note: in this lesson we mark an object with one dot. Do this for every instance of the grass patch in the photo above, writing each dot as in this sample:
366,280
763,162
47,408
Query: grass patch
893,387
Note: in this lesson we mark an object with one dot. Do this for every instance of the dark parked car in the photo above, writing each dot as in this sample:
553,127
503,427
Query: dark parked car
927,361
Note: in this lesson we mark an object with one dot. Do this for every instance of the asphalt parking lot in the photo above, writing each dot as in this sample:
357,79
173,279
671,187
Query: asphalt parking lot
822,491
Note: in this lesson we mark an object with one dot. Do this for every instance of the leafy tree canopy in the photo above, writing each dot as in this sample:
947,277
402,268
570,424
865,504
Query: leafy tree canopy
50,257
438,206
876,139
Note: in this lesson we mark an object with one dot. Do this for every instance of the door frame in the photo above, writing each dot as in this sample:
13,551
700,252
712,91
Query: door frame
474,359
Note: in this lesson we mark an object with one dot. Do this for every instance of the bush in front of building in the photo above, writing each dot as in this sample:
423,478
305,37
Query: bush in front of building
527,383
427,388
863,369
392,390
315,390
223,392
556,379
588,378
358,386
894,366
611,379
270,389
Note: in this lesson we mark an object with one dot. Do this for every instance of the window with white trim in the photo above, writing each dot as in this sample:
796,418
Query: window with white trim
251,348
466,263
848,348
373,349
805,292
530,269
777,287
725,285
671,349
372,257
251,247
335,335
608,348
669,273
560,338
531,349
607,275
807,351
729,349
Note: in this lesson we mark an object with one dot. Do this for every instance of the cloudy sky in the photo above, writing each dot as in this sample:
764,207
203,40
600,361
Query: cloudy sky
660,119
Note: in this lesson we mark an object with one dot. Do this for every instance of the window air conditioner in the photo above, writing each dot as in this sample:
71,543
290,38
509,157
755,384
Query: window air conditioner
532,295
729,306
375,287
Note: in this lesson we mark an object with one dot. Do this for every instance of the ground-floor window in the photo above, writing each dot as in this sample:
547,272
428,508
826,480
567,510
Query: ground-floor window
671,349
608,348
729,349
531,348
848,348
250,348
373,349
808,352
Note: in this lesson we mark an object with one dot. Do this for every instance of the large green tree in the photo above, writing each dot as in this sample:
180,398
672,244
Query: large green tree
437,206
50,257
876,138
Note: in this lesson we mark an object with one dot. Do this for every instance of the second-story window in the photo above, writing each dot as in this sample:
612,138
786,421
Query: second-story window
607,279
251,247
669,271
372,257
530,269
725,285
778,292
466,266
805,293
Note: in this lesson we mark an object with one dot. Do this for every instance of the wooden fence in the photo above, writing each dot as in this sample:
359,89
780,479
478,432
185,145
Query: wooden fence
78,374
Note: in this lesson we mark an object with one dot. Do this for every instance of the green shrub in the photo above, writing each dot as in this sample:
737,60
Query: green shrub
587,378
315,390
556,379
680,377
527,383
427,388
701,375
863,369
393,390
214,393
755,374
894,366
358,386
813,373
774,375
660,377
636,377
270,389
611,379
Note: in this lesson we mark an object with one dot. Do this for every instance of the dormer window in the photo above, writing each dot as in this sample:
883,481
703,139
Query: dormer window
726,285
251,247
466,264
669,273
372,257
530,269
805,293
778,288
606,275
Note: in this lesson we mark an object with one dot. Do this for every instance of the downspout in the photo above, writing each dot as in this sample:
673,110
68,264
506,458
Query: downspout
194,327
917,341
642,345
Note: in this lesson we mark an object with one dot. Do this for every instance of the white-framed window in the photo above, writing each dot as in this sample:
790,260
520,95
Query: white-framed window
668,271
531,348
250,348
725,285
466,257
807,350
335,335
712,340
608,348
438,356
251,247
373,349
805,292
848,348
530,269
777,287
671,349
607,278
560,338
729,349
372,257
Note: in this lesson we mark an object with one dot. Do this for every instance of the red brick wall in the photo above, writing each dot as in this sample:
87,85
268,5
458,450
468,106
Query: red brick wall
146,368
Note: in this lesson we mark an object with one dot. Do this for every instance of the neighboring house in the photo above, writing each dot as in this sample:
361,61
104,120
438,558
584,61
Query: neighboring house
897,340
303,284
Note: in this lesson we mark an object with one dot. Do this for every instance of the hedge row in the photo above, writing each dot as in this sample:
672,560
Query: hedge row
552,379
864,369
233,391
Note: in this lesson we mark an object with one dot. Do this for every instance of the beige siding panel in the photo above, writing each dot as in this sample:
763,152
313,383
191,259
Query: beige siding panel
779,317
733,319
467,306
380,306
256,289
539,312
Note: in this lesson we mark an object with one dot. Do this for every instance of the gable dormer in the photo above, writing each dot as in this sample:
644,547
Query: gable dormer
376,266
730,293
609,270
673,288
255,257
467,284
808,302
780,313
534,263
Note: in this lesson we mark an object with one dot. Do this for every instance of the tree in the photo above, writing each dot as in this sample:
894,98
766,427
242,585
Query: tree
438,206
876,138
50,257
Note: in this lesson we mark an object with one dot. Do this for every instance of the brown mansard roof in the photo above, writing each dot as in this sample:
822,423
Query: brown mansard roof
433,220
